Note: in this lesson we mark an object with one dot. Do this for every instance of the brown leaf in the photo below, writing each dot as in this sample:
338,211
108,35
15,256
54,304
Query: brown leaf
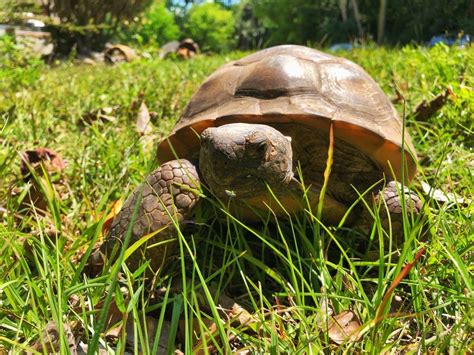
143,124
114,208
49,341
236,314
426,109
38,162
398,97
103,114
151,327
241,315
443,197
344,327
32,160
137,101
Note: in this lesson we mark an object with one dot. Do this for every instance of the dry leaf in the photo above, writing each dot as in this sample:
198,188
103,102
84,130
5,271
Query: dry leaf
143,123
32,160
104,114
50,338
40,161
236,314
241,315
441,196
426,109
83,349
114,210
344,327
325,311
151,328
96,260
145,128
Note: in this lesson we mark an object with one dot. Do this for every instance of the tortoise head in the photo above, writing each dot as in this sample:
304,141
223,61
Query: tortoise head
240,159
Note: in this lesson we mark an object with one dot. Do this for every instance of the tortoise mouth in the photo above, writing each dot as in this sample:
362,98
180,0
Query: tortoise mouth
247,186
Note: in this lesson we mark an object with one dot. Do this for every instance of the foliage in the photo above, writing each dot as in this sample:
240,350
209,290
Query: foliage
249,32
211,26
86,12
273,269
88,24
156,26
19,65
300,21
11,10
329,21
419,20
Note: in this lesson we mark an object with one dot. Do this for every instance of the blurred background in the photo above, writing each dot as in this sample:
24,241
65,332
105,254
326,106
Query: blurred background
82,26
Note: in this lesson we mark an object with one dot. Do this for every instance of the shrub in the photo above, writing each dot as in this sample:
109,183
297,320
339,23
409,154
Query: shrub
211,26
156,26
88,24
19,65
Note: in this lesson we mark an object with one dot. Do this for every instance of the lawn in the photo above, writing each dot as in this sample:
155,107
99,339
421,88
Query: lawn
279,286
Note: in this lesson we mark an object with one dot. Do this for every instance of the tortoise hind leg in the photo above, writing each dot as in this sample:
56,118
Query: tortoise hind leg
167,197
392,197
391,210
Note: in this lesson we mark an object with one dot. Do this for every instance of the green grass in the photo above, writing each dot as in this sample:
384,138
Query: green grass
282,272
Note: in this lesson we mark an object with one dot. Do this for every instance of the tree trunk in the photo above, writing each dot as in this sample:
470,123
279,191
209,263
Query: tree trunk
381,21
355,8
343,8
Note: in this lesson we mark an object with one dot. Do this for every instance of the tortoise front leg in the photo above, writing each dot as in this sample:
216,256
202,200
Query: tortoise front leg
167,197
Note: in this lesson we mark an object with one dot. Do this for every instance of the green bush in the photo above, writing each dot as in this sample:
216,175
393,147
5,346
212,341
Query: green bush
157,26
19,65
88,24
211,26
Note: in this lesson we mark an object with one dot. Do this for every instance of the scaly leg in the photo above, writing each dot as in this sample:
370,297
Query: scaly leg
168,196
392,214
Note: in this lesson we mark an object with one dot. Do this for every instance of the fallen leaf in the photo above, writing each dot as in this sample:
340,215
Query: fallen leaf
241,315
118,322
49,341
444,197
344,327
83,347
103,114
34,165
324,312
397,98
151,326
426,109
237,314
143,123
33,159
114,210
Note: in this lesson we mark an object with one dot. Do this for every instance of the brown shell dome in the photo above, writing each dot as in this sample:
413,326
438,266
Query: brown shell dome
299,85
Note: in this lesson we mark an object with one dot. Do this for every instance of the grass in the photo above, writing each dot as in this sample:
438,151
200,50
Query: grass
286,274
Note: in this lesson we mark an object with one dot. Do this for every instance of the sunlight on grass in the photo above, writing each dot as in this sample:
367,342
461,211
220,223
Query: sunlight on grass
267,287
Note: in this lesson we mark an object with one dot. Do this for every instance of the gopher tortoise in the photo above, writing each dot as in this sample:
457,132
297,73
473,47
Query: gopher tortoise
258,125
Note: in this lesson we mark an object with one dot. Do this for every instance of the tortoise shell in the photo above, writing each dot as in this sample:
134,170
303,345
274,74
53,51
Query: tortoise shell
300,85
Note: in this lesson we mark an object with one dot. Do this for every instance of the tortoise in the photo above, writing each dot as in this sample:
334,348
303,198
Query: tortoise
257,121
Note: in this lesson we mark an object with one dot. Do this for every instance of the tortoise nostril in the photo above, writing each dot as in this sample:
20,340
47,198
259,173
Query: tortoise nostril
262,148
